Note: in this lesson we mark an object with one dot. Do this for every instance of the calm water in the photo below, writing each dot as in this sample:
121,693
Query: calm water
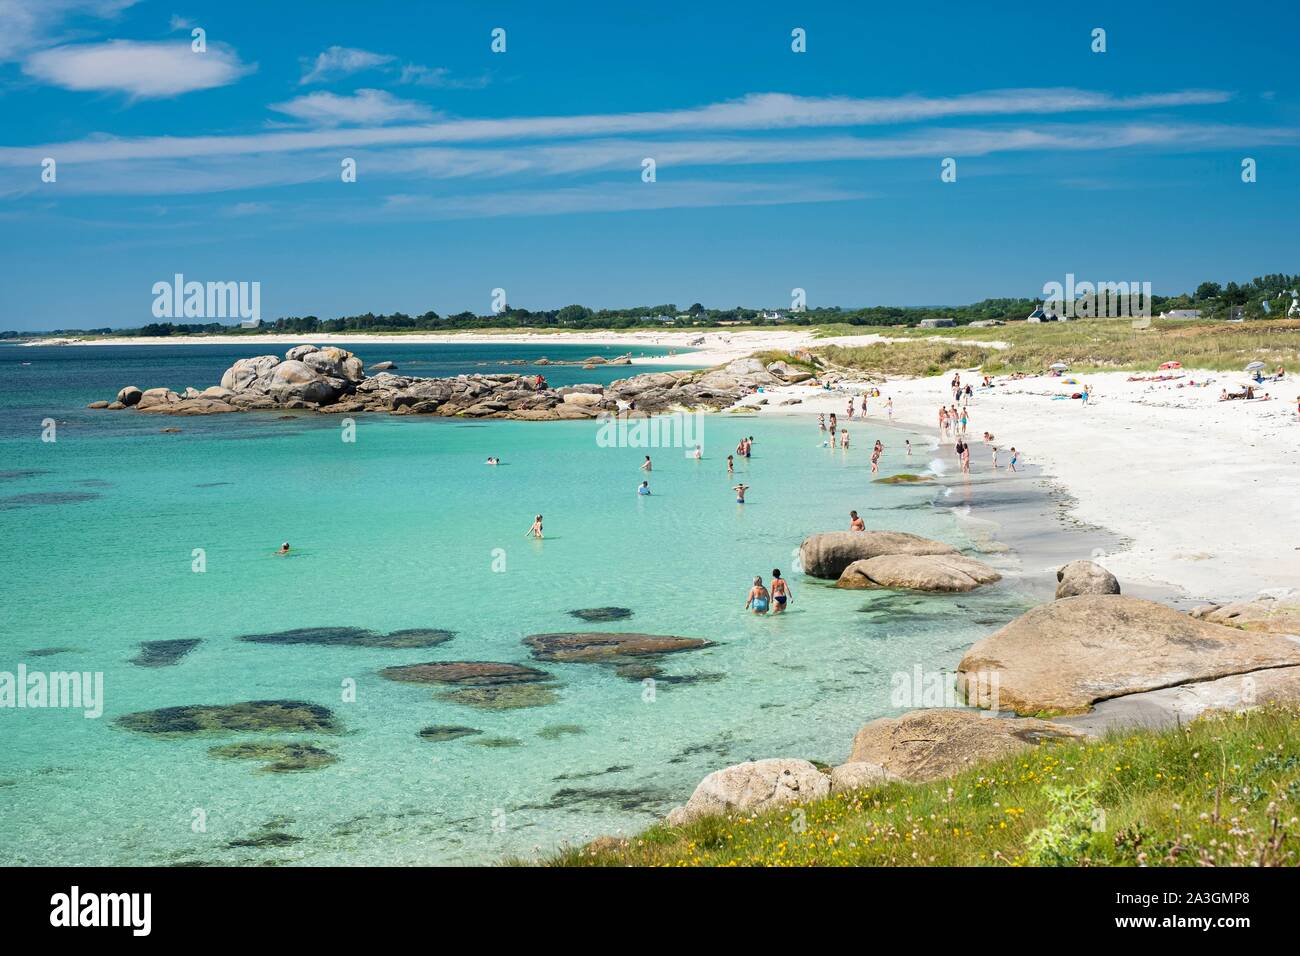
408,528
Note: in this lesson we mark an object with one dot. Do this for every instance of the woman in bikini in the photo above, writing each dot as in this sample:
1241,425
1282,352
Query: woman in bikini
536,530
781,592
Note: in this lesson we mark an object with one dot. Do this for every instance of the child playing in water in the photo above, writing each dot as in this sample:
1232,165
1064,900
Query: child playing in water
1015,457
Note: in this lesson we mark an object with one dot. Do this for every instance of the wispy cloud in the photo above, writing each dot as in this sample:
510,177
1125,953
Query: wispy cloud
363,108
142,70
440,77
27,25
759,111
340,61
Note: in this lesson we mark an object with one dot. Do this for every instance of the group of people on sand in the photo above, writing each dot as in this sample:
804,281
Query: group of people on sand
761,600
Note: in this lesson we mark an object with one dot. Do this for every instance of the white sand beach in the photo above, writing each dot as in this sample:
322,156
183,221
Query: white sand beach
1203,491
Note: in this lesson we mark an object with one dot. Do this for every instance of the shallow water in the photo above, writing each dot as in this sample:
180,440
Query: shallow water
407,528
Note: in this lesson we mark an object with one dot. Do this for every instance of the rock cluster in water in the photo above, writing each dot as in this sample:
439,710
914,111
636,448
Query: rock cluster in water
333,380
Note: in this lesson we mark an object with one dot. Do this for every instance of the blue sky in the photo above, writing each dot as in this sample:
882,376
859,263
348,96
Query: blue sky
523,169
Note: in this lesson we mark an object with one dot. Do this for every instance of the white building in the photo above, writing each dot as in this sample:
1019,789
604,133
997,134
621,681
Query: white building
1181,314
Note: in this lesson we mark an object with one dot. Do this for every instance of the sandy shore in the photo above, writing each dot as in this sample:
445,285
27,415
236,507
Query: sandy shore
1203,491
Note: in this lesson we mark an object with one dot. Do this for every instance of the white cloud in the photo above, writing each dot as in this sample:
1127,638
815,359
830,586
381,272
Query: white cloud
438,76
26,25
768,111
179,22
340,61
142,69
363,108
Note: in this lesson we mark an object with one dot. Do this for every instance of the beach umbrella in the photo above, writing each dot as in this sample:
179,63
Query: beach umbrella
1069,381
1254,365
1171,364
1058,366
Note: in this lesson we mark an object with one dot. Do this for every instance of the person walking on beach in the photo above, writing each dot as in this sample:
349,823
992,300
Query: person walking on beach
536,530
645,465
856,523
781,592
758,599
943,421
850,413
907,443
821,421
740,490
965,457
1015,457
889,408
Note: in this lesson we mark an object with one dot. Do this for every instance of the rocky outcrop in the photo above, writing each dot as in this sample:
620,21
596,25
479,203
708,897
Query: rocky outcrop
333,380
918,572
1085,577
826,555
465,673
929,744
1271,612
1065,656
753,787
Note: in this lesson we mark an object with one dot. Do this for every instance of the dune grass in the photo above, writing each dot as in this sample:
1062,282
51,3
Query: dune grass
1088,345
1221,791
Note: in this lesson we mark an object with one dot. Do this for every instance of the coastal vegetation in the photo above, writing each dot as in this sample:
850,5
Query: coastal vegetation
1264,297
1220,791
1086,345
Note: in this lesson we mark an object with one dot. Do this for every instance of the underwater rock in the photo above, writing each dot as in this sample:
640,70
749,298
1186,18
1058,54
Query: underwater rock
353,637
594,615
497,742
639,670
49,651
278,757
252,715
35,499
265,838
902,479
465,673
556,731
598,646
443,732
164,653
502,696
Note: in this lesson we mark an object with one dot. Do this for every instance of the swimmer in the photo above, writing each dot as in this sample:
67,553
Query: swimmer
645,465
740,490
781,592
758,598
284,548
644,488
698,453
493,461
536,530
856,523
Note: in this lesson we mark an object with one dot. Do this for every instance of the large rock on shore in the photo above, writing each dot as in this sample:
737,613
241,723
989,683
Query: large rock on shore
858,774
1276,614
247,373
1065,656
129,395
826,555
753,787
918,572
297,381
929,744
1085,577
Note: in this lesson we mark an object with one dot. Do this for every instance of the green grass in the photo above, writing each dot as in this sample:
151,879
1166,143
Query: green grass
1221,791
795,361
1089,345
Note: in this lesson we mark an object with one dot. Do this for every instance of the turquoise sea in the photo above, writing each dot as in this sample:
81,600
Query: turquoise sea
408,528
